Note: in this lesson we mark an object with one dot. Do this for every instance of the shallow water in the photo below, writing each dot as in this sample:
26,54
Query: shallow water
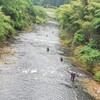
38,74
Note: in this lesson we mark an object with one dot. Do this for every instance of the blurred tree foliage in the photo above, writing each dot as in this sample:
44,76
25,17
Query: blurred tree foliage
17,14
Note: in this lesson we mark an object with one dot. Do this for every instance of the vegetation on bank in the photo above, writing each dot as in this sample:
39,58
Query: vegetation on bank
80,21
16,15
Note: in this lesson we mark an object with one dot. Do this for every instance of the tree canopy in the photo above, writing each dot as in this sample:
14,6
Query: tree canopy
17,14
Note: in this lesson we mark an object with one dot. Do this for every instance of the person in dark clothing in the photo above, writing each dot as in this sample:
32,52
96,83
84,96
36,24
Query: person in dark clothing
61,59
46,35
73,76
47,49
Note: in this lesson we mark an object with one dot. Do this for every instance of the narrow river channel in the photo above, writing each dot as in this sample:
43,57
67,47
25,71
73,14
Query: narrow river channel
38,74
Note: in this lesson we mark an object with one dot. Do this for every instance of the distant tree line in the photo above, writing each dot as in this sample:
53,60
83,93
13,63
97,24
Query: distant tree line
50,3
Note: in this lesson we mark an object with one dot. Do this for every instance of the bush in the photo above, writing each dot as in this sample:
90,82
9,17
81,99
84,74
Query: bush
88,56
97,76
39,20
6,30
92,43
63,36
95,42
85,50
40,14
69,42
79,38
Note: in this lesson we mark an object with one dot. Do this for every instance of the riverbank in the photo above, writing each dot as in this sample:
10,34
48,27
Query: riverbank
7,55
91,86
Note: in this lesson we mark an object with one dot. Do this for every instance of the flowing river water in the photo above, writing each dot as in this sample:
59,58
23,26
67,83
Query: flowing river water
38,74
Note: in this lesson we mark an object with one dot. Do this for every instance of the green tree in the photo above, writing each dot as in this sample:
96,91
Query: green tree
6,28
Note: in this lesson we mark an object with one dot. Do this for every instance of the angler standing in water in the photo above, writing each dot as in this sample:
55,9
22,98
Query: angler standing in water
73,75
61,59
47,49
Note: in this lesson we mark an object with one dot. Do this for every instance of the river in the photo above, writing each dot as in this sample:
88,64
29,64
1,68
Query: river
38,74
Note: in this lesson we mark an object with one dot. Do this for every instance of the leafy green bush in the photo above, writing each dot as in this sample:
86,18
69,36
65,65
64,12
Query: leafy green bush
96,68
17,10
92,43
78,38
97,76
39,20
95,42
95,54
89,56
63,36
41,14
5,28
85,50
69,42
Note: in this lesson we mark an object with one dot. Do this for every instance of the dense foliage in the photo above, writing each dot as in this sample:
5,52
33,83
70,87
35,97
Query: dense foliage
81,20
49,3
17,14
